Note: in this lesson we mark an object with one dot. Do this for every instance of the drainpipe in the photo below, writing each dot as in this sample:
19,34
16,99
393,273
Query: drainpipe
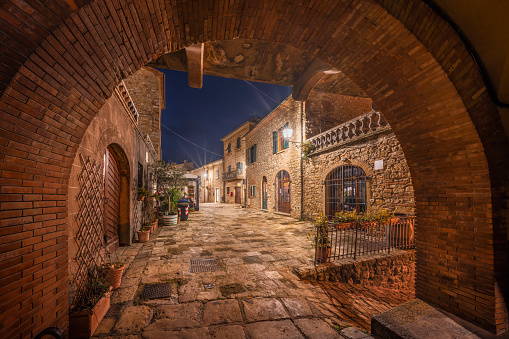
302,106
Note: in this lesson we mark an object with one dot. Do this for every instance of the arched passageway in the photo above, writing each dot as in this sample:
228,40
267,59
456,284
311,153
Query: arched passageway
63,61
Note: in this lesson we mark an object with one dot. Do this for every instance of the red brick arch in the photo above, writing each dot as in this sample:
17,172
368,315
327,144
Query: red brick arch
59,65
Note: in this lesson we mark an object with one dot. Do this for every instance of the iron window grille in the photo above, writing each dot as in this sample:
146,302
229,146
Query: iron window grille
345,190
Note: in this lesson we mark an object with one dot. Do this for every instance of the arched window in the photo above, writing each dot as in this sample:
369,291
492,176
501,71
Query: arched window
345,190
283,192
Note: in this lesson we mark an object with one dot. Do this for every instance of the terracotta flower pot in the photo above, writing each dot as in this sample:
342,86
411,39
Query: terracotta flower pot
322,254
156,223
113,275
150,228
84,323
143,236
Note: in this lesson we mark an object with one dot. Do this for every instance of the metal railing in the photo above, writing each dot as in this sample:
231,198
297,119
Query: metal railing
360,127
233,174
356,239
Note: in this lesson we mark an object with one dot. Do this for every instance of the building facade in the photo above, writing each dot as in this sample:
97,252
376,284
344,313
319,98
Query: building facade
211,183
350,164
234,164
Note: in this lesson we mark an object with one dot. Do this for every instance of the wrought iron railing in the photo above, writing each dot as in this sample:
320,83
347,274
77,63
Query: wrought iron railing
234,174
357,239
367,124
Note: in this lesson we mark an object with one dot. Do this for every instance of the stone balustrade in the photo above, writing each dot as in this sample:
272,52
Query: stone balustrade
360,127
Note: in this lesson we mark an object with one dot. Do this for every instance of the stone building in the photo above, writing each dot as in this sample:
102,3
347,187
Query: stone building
111,163
353,163
234,163
211,183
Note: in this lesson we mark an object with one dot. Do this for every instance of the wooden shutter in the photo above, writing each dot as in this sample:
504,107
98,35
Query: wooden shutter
274,141
249,159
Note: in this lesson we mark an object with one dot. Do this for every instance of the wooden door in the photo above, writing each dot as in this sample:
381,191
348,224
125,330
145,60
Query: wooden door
283,192
264,193
238,198
111,201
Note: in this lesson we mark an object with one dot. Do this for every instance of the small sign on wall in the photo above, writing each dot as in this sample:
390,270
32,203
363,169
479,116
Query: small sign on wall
379,165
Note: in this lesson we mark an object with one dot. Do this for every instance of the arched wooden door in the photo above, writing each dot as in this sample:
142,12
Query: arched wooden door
111,200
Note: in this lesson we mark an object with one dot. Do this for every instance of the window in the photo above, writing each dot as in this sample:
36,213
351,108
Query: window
345,190
238,143
229,168
227,190
239,167
217,174
229,148
252,191
251,154
140,175
279,143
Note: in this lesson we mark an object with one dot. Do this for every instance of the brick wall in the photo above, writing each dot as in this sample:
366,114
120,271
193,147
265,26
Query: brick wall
389,188
146,88
59,64
326,110
269,164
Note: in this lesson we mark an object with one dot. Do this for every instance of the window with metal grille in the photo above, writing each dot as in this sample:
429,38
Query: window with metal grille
345,190
282,185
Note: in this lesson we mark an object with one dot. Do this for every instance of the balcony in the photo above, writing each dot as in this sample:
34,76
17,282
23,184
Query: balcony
232,175
367,125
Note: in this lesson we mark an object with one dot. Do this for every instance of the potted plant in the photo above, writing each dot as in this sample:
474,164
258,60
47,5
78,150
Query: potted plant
142,193
143,235
112,272
89,308
320,240
307,147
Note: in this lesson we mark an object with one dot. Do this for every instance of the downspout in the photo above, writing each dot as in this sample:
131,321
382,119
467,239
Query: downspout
302,107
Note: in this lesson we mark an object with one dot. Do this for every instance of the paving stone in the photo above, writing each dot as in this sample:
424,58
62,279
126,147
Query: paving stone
133,319
297,307
227,332
258,309
316,329
193,333
354,333
273,330
222,312
105,326
171,317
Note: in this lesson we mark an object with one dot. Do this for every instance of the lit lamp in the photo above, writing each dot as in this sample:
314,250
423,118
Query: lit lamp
287,133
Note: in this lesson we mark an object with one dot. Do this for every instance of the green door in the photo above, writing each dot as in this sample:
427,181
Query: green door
264,193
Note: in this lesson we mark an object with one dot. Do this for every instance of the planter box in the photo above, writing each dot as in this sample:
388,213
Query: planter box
143,236
113,275
83,324
170,220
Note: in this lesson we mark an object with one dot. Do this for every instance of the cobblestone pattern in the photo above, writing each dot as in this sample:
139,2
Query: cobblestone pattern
389,188
256,293
63,60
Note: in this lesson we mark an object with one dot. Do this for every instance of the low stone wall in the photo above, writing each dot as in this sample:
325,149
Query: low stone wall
395,270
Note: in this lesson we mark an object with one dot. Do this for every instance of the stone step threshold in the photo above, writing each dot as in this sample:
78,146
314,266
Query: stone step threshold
417,319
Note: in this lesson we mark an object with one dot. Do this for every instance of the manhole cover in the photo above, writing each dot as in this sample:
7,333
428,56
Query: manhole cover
114,310
153,291
204,265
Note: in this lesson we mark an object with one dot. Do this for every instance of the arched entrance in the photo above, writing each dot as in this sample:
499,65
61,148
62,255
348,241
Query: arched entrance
264,193
402,54
282,185
345,190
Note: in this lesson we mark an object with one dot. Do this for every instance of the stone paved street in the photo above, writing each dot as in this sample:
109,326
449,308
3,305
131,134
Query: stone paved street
252,294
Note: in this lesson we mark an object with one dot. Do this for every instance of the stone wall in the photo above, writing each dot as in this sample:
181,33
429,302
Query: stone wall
326,110
269,164
396,270
146,88
211,182
389,188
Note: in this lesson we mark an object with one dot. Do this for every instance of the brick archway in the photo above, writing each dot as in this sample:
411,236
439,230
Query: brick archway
61,63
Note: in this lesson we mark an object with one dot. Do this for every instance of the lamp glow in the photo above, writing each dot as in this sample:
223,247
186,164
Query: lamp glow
287,133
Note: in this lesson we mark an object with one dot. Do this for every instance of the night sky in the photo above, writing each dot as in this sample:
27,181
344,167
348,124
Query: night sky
204,116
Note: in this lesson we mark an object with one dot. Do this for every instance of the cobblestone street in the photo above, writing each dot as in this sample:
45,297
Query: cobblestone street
252,293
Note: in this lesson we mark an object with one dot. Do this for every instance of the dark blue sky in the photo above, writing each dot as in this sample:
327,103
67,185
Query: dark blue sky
205,115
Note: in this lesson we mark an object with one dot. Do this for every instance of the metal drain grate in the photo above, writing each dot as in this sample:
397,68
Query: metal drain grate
114,310
154,291
204,265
